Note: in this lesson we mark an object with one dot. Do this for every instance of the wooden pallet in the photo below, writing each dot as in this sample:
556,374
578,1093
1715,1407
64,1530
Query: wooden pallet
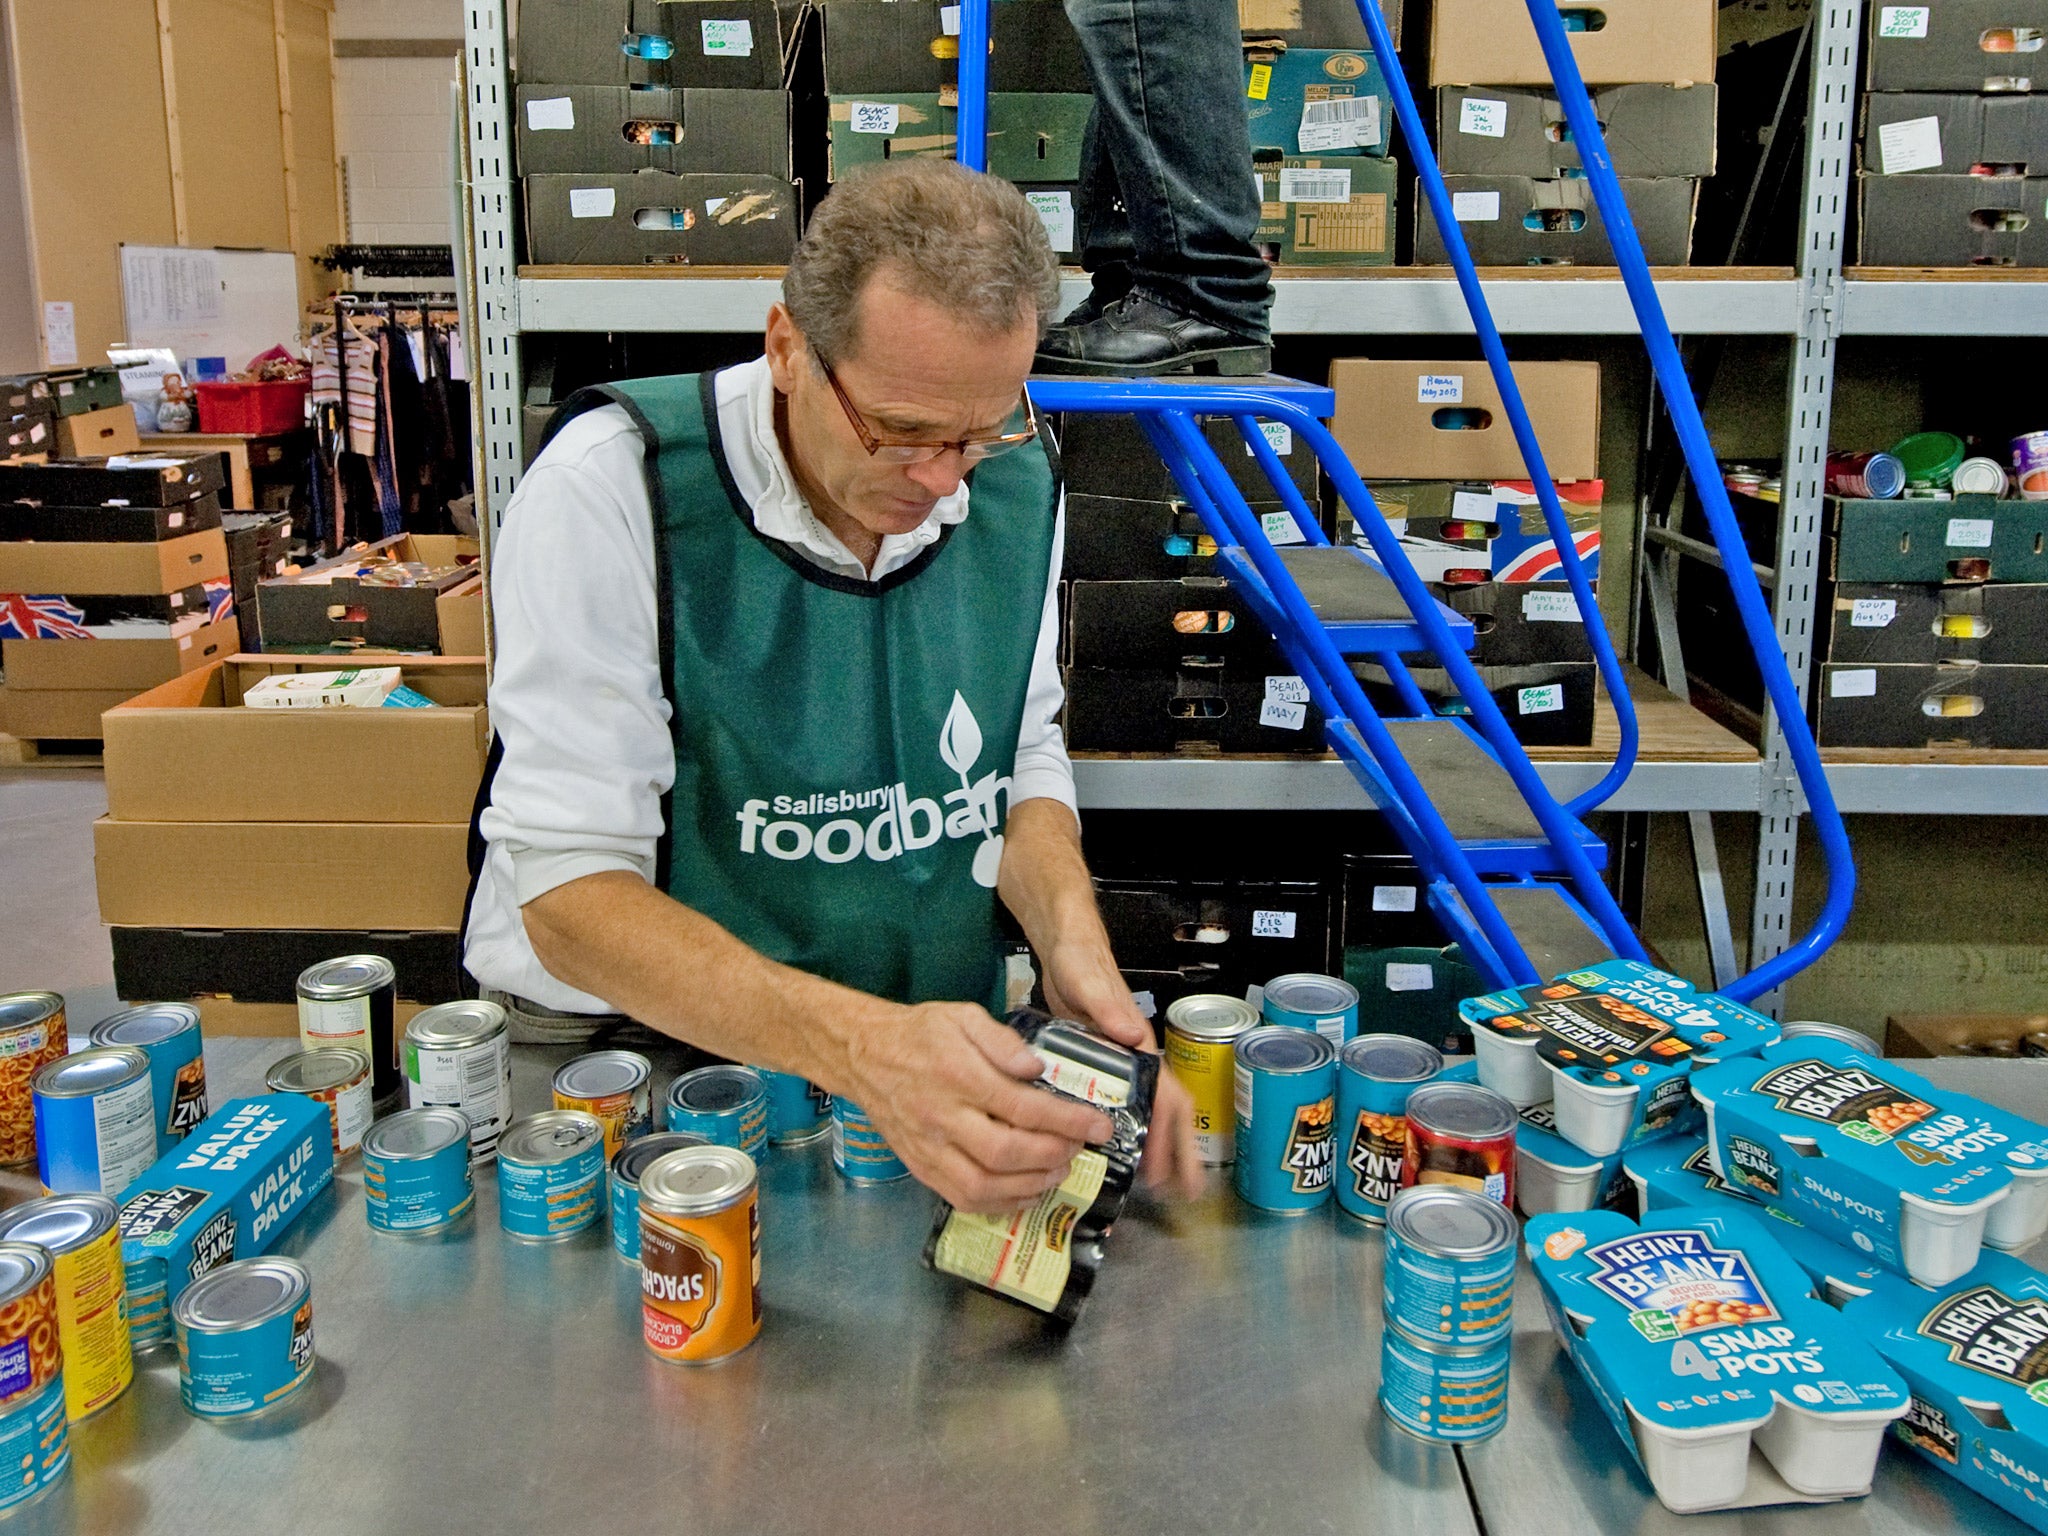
46,752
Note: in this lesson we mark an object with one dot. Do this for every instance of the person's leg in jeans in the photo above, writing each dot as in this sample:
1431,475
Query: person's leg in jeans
1103,230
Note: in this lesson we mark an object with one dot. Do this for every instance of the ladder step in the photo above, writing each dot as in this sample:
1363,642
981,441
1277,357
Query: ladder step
1357,603
1553,929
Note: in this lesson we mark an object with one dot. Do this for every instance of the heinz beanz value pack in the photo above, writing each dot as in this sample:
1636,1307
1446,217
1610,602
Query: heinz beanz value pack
228,1191
1875,1157
1701,1339
1553,1177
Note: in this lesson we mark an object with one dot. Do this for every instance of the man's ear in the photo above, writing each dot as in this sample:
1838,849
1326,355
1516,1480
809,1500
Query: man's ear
785,347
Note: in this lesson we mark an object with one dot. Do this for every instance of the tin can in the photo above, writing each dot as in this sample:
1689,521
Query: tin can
168,1034
1855,1039
1375,1075
615,1086
2030,465
1980,477
727,1106
1201,1038
799,1111
1449,1396
550,1174
1930,459
82,1234
35,1437
458,1056
1464,1135
245,1337
339,1077
351,1002
622,1180
1865,476
700,1254
32,1035
416,1176
1450,1266
1321,1003
859,1151
1285,1092
95,1121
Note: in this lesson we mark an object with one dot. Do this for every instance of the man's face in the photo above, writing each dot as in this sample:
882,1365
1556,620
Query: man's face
915,376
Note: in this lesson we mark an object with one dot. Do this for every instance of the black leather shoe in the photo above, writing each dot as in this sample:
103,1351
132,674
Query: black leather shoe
1134,337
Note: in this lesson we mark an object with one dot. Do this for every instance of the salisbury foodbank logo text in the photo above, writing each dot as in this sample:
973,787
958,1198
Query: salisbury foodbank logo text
888,821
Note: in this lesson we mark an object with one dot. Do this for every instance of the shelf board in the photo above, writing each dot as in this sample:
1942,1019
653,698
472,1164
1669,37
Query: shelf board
1946,301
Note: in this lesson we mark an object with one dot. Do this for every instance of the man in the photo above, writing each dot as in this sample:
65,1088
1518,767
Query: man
777,700
1168,200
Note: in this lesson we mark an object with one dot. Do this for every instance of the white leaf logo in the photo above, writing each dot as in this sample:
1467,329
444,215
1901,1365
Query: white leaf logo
988,862
960,738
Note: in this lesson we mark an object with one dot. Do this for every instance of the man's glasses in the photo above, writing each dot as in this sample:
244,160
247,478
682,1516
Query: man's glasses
972,449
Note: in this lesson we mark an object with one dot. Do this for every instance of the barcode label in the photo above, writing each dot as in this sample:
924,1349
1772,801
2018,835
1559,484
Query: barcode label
1318,186
1342,122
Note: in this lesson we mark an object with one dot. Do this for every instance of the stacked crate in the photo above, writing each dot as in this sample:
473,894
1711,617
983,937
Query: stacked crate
1515,177
259,548
28,417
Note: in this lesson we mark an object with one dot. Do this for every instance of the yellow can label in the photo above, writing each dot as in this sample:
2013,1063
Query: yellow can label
1207,1069
92,1325
1028,1255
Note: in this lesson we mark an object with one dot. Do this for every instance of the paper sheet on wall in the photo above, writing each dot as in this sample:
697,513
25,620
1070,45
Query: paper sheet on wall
171,290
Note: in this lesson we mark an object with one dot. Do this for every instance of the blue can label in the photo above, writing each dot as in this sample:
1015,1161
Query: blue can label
227,1375
1449,1397
1457,1302
797,1109
746,1130
98,1143
551,1199
859,1150
1372,1130
625,1203
35,1441
177,1082
149,1302
1286,1146
417,1194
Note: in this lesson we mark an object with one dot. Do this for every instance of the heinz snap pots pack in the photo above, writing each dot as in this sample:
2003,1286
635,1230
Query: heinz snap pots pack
1701,1338
1874,1157
1553,1176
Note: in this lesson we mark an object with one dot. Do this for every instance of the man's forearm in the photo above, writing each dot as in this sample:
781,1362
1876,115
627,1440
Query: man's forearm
1045,881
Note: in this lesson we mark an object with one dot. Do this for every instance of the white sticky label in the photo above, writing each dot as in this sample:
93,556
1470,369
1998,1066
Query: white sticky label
1411,978
949,21
712,205
1475,207
1055,211
1256,996
1280,528
1287,690
351,1112
592,202
1550,608
1282,715
1911,145
327,1022
1393,898
1859,684
1083,1082
553,112
1342,122
874,116
1472,506
1546,700
1241,1093
1482,118
1969,533
1902,20
1442,389
1319,186
1279,436
1146,1004
727,39
1272,925
124,1130
1873,612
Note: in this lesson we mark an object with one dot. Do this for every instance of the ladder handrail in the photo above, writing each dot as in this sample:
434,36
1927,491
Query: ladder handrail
970,119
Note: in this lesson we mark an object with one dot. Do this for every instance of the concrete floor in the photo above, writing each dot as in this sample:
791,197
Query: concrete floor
50,934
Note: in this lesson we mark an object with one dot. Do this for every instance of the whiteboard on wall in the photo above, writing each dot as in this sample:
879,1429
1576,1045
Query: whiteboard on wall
202,302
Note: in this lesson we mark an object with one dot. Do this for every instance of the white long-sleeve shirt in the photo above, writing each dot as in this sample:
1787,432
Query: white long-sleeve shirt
576,695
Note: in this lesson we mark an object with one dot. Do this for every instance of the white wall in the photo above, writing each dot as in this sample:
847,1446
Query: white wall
391,121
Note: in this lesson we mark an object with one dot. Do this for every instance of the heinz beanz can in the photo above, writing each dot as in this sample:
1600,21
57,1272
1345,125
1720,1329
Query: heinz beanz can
623,1182
1375,1075
416,1177
1450,1266
550,1174
245,1337
168,1034
727,1106
339,1077
616,1087
351,1003
35,1436
1285,1093
1201,1037
859,1151
32,1035
95,1121
1321,1003
1451,1396
799,1111
82,1234
458,1056
700,1255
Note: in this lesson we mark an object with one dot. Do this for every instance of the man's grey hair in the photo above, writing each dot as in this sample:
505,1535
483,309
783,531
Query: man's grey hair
967,242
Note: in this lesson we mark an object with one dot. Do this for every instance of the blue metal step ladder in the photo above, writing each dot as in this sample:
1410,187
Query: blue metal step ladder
1514,875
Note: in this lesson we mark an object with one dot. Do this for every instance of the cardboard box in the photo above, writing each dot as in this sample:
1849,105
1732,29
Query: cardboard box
1958,1034
890,46
616,220
574,128
1383,903
1031,137
35,433
1442,420
1328,212
1521,624
1912,133
166,565
153,479
272,1021
1972,538
2003,623
1108,455
264,965
75,391
320,606
1112,538
25,394
138,616
1414,990
1942,46
1523,221
745,45
108,524
57,714
1546,705
128,665
98,433
156,874
1165,623
1317,101
1312,23
1518,547
1958,703
1191,708
1493,42
1181,937
1506,130
1952,221
185,751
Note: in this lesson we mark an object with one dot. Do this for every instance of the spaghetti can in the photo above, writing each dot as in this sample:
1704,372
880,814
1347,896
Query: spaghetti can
416,1177
32,1035
82,1234
1202,1031
95,1121
351,1003
35,1437
550,1174
1375,1075
1306,1001
1449,1396
727,1106
700,1254
1285,1092
622,1181
245,1337
1464,1135
616,1087
458,1056
1450,1267
339,1077
859,1151
799,1111
169,1035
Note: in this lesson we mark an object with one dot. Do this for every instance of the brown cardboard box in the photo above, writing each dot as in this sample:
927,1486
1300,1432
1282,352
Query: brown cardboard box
185,752
1951,1034
168,565
463,622
277,1021
1392,419
95,434
127,664
331,874
56,714
1493,42
327,603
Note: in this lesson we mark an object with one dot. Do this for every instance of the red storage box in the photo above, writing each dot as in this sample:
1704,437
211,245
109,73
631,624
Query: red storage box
253,409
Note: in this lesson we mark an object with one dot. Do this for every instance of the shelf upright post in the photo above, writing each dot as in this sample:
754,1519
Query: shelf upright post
1830,133
493,344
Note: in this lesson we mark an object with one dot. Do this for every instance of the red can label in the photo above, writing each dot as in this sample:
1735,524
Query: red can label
1485,1164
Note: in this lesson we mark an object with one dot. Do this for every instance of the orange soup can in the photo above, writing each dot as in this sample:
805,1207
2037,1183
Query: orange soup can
32,1033
700,1254
615,1086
